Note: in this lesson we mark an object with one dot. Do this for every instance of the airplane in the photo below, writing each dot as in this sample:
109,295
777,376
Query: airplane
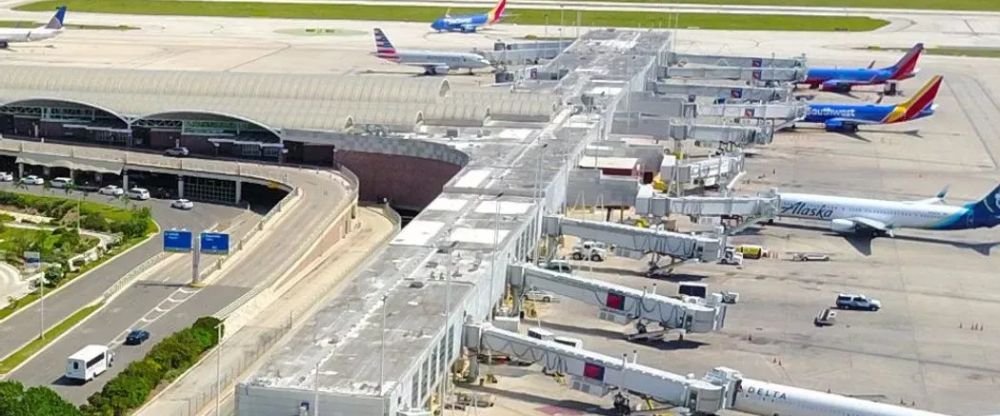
763,398
842,79
851,215
841,117
433,62
50,30
469,23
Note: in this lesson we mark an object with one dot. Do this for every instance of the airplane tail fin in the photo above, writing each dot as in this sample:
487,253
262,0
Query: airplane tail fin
383,47
907,65
987,210
496,13
923,99
57,20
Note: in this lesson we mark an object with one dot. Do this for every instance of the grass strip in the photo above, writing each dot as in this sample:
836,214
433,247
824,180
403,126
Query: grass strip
968,51
428,14
983,5
26,24
15,359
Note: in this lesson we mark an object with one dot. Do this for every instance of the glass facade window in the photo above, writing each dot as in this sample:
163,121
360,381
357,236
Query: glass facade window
210,190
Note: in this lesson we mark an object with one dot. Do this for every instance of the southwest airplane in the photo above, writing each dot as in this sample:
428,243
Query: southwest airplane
469,23
849,215
839,117
50,30
842,79
434,63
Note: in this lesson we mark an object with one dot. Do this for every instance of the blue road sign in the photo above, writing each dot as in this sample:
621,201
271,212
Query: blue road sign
177,241
214,243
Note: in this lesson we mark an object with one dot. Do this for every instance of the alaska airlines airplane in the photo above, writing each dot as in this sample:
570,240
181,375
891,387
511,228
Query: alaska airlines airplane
469,23
50,30
838,117
842,79
434,63
849,215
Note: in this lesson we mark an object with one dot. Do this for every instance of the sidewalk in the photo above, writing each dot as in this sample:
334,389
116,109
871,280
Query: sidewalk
195,391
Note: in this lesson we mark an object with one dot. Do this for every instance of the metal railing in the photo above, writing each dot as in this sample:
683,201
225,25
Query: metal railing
129,277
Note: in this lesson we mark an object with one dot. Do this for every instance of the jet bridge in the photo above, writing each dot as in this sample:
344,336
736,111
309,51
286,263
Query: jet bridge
599,374
624,305
677,246
703,133
729,93
649,202
738,61
735,73
708,172
780,114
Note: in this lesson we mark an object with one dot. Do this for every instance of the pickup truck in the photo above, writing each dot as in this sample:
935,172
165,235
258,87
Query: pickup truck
859,302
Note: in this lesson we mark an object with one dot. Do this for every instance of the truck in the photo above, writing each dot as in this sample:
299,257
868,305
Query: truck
88,363
751,251
590,250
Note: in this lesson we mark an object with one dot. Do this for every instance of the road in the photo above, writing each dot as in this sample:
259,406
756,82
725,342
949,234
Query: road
22,327
162,304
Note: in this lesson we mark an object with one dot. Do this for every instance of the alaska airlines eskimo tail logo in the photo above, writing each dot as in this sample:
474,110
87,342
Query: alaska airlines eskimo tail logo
803,209
995,209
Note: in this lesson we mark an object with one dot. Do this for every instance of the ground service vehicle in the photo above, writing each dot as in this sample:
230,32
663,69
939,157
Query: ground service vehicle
751,251
860,302
88,363
590,250
561,266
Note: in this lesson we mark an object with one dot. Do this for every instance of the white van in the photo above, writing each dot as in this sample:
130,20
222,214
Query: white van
141,194
61,182
88,363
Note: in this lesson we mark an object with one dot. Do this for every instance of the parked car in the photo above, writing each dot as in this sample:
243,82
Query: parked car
61,182
6,177
182,204
540,296
860,302
177,152
112,190
141,194
136,337
561,266
32,180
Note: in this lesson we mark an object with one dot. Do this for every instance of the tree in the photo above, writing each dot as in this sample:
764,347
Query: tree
42,401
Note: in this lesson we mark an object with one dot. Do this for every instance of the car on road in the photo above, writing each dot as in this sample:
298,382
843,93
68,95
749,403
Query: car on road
182,204
177,152
540,296
141,194
859,302
136,337
6,177
32,180
61,182
112,190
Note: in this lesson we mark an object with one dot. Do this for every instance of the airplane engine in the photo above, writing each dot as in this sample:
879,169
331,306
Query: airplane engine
3,44
443,69
842,226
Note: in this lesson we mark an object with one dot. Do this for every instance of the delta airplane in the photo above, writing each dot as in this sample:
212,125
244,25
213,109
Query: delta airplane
850,215
761,398
50,30
434,63
469,23
838,117
842,79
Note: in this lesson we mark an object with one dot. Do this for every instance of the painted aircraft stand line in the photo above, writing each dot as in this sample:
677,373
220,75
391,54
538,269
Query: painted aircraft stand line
433,62
50,30
847,117
849,215
469,23
842,79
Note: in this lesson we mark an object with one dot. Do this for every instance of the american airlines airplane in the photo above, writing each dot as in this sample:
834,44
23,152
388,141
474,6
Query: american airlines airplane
50,30
434,63
849,215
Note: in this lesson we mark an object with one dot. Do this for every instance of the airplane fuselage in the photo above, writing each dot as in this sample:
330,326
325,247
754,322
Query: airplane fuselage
873,113
467,23
27,35
816,76
893,214
761,398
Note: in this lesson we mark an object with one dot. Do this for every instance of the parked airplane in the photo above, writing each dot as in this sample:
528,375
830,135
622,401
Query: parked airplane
433,62
50,30
849,116
758,397
849,215
469,23
842,79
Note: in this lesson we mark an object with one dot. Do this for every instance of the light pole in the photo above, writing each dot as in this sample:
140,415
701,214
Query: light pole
218,371
447,313
540,201
381,361
496,254
41,310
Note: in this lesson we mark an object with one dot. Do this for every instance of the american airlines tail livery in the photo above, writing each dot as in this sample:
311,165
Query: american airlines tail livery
849,215
50,30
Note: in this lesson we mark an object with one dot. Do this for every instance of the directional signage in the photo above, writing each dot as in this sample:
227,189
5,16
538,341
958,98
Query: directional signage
177,241
214,243
32,260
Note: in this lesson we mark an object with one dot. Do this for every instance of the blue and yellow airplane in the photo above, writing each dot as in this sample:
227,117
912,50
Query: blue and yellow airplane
842,79
847,117
469,23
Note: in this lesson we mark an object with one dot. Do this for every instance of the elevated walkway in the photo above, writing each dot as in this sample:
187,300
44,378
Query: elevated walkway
624,304
737,61
734,73
730,93
677,246
713,171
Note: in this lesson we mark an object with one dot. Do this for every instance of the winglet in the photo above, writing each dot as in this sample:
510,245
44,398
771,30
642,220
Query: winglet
943,193
57,20
907,65
923,98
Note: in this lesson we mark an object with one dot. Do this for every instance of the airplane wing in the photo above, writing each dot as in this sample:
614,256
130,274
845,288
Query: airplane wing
836,123
842,83
870,223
